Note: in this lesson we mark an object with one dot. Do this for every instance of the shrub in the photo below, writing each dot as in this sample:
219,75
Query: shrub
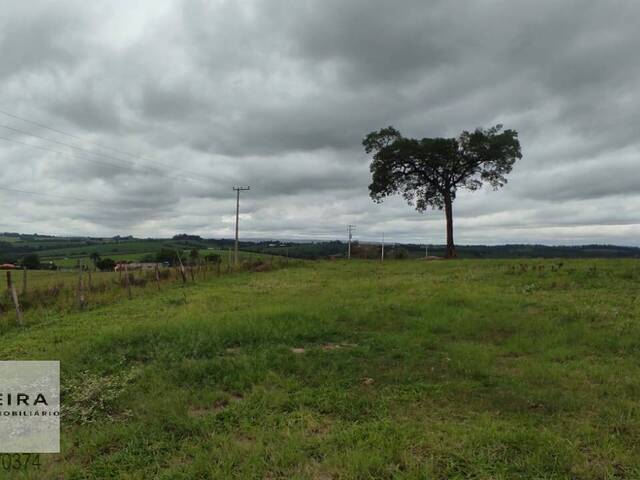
31,261
106,264
168,255
213,258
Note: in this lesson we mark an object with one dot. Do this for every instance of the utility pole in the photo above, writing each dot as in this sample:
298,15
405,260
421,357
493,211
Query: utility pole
382,251
238,190
350,229
426,251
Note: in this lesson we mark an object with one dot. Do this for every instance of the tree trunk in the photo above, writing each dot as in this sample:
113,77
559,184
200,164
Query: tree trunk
450,252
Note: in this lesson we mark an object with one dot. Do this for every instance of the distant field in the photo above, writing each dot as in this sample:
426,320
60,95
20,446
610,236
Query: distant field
407,369
71,261
47,278
13,248
107,249
8,239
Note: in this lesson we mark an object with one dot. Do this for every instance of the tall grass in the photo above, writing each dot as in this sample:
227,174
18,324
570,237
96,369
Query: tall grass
55,292
351,370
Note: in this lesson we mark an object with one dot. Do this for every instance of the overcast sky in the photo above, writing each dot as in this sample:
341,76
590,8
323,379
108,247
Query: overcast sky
171,103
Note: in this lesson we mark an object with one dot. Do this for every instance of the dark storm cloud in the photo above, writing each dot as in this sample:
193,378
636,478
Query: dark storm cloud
279,95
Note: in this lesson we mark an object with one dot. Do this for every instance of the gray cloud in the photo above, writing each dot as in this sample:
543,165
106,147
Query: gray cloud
279,95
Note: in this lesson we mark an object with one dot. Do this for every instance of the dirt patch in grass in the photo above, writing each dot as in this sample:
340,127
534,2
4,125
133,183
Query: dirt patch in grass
215,408
325,347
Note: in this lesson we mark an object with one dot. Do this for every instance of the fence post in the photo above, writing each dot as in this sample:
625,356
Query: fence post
24,280
184,276
127,281
80,289
157,275
14,296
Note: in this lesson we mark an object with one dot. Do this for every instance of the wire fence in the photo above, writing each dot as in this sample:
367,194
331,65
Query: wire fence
33,295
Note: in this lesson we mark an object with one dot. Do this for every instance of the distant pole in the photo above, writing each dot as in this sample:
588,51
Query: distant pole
382,251
238,190
350,229
426,251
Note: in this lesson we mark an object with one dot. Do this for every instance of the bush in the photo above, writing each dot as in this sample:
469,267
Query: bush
400,253
31,261
213,258
91,397
168,255
106,265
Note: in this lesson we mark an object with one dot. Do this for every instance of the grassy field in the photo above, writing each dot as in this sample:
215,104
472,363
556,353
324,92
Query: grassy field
408,369
72,261
48,278
106,249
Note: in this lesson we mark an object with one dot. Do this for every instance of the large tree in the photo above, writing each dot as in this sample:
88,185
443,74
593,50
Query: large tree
428,172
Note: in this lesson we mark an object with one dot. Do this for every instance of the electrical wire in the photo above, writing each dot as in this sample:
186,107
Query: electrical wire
97,162
117,150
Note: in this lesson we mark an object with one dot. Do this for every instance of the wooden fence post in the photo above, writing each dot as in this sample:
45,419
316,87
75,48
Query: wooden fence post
127,281
24,280
80,290
184,276
157,275
14,296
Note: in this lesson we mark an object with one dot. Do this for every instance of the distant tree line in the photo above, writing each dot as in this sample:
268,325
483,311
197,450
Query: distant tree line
166,250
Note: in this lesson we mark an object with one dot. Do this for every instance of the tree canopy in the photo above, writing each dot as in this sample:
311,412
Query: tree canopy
428,172
31,261
95,258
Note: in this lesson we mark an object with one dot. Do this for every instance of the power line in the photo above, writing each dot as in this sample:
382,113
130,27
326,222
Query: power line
130,166
65,154
68,145
121,163
106,147
85,200
40,194
126,164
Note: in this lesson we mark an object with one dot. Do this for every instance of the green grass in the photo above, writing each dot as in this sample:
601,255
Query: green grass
72,259
105,249
72,262
4,238
48,278
411,369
